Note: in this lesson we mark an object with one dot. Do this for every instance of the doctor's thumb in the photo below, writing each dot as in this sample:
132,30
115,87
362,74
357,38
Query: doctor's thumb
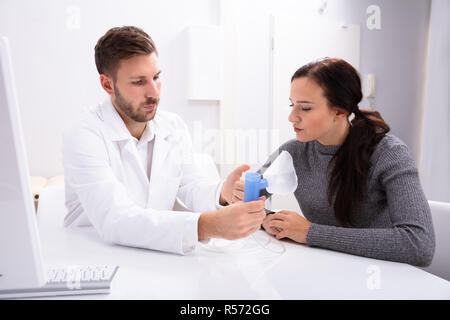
237,173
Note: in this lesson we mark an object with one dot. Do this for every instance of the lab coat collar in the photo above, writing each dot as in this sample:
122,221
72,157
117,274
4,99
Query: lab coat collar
149,133
118,131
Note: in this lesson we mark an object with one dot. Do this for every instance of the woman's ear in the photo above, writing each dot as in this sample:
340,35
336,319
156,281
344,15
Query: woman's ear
340,113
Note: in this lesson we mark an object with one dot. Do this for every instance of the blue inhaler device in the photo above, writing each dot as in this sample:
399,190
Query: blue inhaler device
253,185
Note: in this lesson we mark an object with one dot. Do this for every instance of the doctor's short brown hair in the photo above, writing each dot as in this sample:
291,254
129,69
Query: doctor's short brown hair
121,43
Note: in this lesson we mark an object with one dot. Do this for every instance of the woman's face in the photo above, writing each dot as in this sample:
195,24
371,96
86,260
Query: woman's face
311,117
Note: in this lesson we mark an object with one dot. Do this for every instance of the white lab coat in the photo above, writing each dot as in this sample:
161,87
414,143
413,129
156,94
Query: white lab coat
107,185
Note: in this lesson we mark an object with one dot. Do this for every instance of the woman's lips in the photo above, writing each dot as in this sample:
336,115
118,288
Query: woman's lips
297,129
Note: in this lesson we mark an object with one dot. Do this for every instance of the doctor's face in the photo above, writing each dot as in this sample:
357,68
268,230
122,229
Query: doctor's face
311,117
137,87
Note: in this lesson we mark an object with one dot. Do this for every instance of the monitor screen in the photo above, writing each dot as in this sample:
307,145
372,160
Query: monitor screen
21,263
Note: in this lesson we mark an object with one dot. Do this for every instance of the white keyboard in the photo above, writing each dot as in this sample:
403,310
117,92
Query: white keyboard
69,281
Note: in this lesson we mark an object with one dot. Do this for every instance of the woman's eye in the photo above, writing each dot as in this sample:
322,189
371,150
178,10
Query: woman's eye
300,107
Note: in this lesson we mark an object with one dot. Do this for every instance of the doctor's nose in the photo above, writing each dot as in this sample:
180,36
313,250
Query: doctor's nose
152,90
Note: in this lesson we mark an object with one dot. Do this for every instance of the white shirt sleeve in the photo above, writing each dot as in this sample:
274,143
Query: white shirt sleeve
219,190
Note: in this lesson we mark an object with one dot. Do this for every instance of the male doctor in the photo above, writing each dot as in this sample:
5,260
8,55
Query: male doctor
126,162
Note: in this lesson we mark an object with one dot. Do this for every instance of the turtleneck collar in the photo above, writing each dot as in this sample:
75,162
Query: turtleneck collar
329,150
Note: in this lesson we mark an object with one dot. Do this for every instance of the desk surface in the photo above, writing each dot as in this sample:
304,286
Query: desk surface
252,268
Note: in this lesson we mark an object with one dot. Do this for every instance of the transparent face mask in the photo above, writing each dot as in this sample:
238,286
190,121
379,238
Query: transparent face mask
281,177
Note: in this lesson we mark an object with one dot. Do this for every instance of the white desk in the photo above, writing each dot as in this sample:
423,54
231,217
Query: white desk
252,272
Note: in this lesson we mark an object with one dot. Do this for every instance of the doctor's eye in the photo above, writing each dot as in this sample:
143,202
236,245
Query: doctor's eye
138,83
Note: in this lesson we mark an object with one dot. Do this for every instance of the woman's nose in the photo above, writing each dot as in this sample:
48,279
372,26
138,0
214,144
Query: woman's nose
293,117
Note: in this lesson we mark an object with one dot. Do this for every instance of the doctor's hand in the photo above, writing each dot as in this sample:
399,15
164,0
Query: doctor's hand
235,221
233,187
287,224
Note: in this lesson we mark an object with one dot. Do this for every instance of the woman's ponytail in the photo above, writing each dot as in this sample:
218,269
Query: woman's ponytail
350,165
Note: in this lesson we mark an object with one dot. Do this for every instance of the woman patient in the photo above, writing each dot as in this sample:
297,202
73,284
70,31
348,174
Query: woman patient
358,187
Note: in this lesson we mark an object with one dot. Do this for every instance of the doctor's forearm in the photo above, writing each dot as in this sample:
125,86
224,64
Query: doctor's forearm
206,225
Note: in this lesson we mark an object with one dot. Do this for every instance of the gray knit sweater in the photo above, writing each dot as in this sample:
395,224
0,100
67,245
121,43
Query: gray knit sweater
395,221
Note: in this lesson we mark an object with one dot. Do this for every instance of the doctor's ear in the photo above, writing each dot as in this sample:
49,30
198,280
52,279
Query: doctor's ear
107,83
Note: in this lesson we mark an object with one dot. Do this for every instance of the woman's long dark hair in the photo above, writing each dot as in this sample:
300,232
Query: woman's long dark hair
348,177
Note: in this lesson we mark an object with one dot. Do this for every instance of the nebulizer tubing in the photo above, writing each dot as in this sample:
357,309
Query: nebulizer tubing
279,178
254,183
252,187
239,246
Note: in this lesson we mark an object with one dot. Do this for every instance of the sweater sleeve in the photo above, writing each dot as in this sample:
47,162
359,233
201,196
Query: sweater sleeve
410,239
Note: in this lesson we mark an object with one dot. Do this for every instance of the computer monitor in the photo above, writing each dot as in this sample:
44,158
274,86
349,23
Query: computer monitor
21,264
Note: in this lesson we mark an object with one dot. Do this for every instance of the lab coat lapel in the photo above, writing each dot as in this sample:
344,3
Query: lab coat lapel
149,193
160,152
134,173
159,196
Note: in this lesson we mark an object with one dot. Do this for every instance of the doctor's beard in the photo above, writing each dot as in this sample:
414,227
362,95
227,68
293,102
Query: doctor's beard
138,114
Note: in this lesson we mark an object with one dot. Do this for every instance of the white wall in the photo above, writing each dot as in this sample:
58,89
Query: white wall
395,54
435,164
55,70
56,75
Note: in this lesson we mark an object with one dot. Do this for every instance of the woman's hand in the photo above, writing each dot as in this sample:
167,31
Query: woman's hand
266,225
287,224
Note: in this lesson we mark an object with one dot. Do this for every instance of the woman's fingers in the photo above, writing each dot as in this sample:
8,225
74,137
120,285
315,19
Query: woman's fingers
281,235
275,223
282,213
